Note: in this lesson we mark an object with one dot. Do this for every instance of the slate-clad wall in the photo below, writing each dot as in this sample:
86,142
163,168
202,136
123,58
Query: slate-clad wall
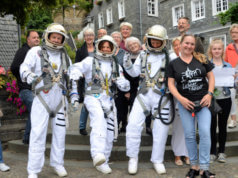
9,41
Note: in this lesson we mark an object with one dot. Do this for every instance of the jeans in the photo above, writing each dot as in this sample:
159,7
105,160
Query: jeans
83,118
1,158
204,123
27,98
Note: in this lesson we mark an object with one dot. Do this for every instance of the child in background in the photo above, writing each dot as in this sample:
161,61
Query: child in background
223,97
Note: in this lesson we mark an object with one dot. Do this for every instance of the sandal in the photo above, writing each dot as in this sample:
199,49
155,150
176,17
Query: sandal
207,174
192,173
187,161
178,161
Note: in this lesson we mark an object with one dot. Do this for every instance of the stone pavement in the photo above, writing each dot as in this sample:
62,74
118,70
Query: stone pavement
85,169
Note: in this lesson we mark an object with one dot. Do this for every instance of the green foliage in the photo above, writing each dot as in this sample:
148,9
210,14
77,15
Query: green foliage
39,18
231,15
84,4
70,52
79,43
75,33
20,9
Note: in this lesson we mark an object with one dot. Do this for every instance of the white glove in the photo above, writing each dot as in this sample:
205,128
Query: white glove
123,84
75,75
31,77
75,101
127,63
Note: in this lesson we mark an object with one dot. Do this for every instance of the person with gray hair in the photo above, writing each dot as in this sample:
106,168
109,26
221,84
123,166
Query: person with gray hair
86,50
119,54
231,56
125,29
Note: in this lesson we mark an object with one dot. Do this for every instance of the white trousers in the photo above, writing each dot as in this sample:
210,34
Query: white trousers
178,140
233,100
102,133
135,127
39,125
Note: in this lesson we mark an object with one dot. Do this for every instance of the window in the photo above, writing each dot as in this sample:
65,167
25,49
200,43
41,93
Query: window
177,12
100,20
152,7
198,9
222,37
109,16
121,9
219,6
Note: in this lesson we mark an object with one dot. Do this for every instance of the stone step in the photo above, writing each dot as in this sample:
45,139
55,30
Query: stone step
82,152
75,138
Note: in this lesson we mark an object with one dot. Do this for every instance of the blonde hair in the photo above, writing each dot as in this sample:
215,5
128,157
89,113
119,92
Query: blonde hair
177,38
199,56
235,25
126,24
213,42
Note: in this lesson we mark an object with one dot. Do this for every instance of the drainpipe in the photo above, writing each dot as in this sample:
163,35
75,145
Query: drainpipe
140,21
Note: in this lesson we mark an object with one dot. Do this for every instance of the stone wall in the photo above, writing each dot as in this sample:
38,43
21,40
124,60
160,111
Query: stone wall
9,40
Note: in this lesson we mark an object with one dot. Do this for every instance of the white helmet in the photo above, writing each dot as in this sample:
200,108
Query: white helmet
55,28
157,32
111,41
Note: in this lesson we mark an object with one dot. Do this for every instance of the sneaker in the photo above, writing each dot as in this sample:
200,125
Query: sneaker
159,168
4,167
221,158
132,166
212,158
32,176
232,124
83,132
104,168
60,171
99,159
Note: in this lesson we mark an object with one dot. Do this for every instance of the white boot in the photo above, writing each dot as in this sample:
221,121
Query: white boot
32,176
104,168
159,168
99,159
4,167
132,165
60,171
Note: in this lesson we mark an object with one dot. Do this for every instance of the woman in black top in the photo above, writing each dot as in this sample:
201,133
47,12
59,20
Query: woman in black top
191,71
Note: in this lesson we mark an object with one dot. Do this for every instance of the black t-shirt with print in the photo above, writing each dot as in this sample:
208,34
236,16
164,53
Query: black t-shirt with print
190,78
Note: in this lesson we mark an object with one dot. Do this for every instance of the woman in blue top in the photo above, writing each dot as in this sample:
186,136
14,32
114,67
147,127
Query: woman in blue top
223,97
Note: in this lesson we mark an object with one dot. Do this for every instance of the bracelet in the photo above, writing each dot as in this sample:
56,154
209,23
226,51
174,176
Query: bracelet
210,93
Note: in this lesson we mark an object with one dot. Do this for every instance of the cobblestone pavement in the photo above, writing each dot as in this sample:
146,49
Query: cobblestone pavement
85,169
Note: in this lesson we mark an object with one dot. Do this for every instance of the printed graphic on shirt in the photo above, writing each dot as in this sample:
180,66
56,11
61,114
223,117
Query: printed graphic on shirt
192,80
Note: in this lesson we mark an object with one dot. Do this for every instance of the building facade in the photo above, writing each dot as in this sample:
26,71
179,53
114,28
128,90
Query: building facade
142,14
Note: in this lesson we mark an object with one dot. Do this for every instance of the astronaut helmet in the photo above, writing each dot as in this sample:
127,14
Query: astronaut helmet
156,37
105,46
55,28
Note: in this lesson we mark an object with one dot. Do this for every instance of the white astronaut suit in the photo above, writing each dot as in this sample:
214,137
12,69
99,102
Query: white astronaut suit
30,69
150,99
97,104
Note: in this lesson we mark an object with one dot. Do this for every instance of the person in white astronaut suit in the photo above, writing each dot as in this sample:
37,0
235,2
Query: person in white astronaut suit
101,74
151,66
45,67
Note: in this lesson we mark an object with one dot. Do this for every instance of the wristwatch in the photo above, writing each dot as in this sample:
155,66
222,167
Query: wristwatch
210,93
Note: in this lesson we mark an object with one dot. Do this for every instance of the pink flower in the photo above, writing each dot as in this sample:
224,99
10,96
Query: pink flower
2,71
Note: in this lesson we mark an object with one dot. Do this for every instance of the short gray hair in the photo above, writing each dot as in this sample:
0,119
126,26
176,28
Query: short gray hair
117,32
88,30
235,25
132,39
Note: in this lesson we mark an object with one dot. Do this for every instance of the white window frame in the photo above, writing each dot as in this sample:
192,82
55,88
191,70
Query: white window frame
214,6
149,8
121,9
109,16
193,10
100,20
174,14
221,37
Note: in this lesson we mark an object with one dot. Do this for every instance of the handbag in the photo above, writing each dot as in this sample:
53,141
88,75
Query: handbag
214,107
